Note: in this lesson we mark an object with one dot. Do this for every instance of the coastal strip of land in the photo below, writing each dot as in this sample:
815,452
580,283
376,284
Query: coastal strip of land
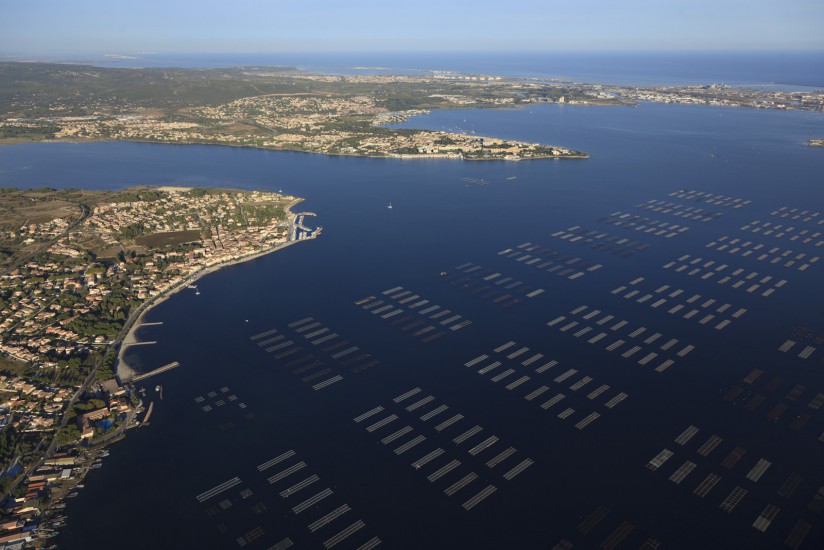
286,109
268,109
125,371
78,272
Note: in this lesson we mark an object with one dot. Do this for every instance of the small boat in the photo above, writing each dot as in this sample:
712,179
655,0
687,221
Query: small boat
390,206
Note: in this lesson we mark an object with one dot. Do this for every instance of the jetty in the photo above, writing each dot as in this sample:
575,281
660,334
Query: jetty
160,370
148,414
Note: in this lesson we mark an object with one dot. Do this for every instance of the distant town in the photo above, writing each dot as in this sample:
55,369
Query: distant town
77,270
286,109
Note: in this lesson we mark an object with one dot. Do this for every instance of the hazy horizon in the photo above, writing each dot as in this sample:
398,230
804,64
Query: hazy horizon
255,26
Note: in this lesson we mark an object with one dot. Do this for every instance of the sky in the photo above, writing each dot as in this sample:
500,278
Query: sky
51,27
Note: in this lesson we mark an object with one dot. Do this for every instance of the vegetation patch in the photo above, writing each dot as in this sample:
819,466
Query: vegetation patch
169,238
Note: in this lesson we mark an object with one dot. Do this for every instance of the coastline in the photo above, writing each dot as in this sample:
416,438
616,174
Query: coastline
123,370
397,156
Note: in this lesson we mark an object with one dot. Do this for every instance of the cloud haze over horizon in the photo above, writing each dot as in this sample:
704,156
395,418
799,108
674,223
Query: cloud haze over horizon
42,27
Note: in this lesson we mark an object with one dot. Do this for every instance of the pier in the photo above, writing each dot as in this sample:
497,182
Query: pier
157,371
132,344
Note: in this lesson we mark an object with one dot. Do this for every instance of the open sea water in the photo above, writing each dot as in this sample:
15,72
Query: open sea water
791,69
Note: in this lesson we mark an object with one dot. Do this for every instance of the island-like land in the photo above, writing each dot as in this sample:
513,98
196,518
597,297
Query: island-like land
78,269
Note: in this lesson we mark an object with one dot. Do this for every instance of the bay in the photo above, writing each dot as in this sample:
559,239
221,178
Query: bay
445,214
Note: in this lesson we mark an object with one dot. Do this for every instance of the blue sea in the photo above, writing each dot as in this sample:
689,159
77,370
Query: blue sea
483,331
780,69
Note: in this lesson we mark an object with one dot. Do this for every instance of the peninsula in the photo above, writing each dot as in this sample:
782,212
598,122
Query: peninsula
78,269
282,108
267,108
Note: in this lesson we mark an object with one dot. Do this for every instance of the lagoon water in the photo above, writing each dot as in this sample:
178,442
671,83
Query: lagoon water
145,494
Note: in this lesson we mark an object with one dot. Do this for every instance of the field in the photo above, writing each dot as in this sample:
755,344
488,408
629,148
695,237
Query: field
170,238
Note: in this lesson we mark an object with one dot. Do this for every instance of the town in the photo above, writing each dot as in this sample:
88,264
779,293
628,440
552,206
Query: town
70,288
287,109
